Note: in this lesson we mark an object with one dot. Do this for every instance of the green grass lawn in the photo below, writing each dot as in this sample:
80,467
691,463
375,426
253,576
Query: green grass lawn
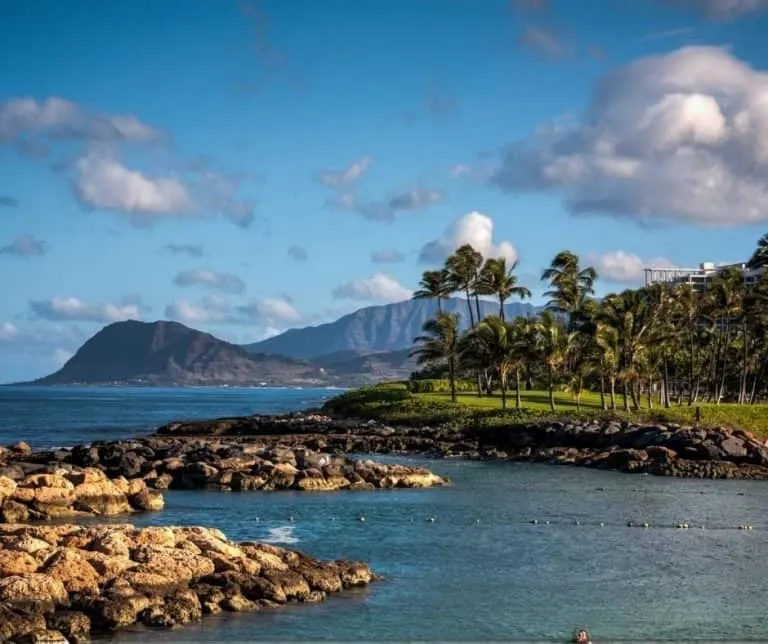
394,403
750,417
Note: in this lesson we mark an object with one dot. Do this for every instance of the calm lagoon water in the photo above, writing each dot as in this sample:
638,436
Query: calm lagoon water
481,571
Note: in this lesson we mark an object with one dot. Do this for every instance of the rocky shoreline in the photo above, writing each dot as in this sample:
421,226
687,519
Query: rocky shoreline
140,467
65,582
664,449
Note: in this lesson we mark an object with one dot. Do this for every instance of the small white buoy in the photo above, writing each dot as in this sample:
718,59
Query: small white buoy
431,519
645,525
477,520
534,521
602,525
630,524
547,522
361,519
577,522
291,519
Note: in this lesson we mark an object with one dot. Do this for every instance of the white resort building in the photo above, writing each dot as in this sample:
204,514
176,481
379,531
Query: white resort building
697,277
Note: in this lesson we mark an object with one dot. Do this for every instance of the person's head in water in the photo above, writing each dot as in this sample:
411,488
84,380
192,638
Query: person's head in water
582,637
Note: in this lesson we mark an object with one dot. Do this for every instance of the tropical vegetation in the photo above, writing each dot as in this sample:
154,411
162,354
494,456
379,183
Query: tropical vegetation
662,345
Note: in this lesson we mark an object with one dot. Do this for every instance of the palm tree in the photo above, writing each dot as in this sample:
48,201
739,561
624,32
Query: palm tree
463,268
434,285
440,343
498,344
552,348
607,338
496,278
759,258
569,284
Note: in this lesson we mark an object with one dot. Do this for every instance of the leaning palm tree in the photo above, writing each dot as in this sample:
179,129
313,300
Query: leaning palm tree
499,279
569,284
440,344
759,258
552,347
497,343
434,285
463,268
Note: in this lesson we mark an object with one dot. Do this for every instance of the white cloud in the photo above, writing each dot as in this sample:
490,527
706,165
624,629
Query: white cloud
621,267
65,119
274,311
25,246
224,282
192,250
338,178
681,136
208,310
8,331
104,182
378,288
60,356
72,308
268,312
474,228
542,41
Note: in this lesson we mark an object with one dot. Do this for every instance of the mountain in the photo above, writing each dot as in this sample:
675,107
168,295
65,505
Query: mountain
368,367
169,353
391,327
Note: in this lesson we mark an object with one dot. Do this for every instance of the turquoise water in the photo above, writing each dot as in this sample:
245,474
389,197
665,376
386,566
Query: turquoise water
482,571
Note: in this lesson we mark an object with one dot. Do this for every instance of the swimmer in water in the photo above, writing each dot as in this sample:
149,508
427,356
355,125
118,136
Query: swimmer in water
582,637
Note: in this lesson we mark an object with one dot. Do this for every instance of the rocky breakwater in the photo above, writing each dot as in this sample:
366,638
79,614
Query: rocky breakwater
63,583
30,492
666,449
232,464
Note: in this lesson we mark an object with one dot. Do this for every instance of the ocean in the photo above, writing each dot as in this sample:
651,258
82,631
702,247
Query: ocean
482,570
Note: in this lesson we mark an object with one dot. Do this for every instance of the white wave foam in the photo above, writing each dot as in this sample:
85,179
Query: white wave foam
283,534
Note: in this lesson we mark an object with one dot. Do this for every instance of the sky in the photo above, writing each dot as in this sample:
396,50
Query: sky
248,167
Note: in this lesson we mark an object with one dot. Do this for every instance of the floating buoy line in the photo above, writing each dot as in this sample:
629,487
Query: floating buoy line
572,523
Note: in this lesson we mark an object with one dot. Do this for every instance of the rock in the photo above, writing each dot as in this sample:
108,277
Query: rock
44,636
73,625
733,448
14,512
70,567
148,501
15,623
39,590
16,563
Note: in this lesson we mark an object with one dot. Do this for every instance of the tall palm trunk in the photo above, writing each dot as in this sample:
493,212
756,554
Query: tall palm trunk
626,394
613,391
469,306
720,388
744,365
551,383
518,402
452,377
501,308
503,385
477,308
602,391
439,304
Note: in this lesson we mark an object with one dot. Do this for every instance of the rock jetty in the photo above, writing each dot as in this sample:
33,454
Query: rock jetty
62,493
63,583
665,449
161,462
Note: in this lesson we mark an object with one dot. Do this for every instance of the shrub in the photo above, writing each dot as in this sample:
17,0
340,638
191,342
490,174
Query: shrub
439,386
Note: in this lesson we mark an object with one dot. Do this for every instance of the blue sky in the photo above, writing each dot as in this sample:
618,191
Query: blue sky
249,167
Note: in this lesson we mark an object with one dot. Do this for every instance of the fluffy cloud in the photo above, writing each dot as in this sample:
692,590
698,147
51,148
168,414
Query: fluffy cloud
474,228
72,308
724,9
191,250
339,178
378,288
26,246
224,282
621,267
459,170
387,256
210,309
61,118
8,331
298,253
273,311
102,181
681,136
268,312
